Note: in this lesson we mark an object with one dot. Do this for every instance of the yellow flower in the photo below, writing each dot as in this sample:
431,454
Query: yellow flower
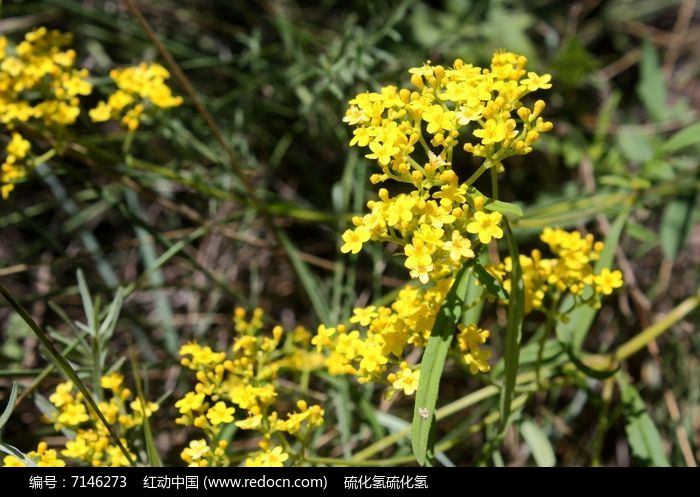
535,82
45,457
196,450
220,413
101,113
407,380
382,151
72,415
112,381
322,337
274,458
607,281
372,357
150,407
190,402
486,226
364,316
354,239
459,247
439,119
13,462
470,339
77,448
18,146
62,395
492,132
250,423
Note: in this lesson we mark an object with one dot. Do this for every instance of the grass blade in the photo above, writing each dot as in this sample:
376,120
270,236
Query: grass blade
86,299
433,362
146,424
538,443
307,278
516,312
156,278
10,404
643,436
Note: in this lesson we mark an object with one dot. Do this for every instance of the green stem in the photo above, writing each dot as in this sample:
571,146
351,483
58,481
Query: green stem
476,175
494,183
641,340
548,329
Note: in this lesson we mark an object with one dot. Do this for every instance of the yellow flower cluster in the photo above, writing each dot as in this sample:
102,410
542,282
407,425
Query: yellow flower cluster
38,80
443,221
42,457
239,387
413,134
13,168
374,348
138,87
91,443
571,270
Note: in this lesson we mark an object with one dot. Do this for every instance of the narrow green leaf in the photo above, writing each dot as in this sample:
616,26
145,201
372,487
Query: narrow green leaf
151,450
14,451
492,285
86,299
652,86
675,224
641,233
516,313
165,257
634,144
538,443
343,404
505,208
474,294
433,363
308,280
643,436
156,278
687,137
65,366
10,404
574,331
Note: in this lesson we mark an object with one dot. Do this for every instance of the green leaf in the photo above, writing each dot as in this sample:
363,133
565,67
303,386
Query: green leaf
573,64
687,137
641,233
151,450
675,224
13,451
574,331
433,362
516,313
492,285
307,278
10,404
538,443
634,144
86,299
505,208
652,86
156,278
642,434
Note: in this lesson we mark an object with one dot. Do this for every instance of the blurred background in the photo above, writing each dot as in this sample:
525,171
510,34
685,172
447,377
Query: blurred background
276,76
